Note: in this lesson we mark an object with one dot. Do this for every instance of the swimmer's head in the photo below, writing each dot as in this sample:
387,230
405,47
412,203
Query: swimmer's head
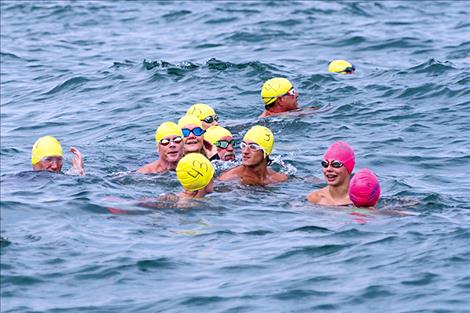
194,171
262,136
364,188
341,151
274,88
189,120
204,113
341,66
167,129
44,147
215,133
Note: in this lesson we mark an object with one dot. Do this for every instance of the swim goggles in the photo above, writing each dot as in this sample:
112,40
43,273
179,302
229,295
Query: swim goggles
290,92
197,131
349,70
210,119
166,142
223,144
51,159
252,146
334,164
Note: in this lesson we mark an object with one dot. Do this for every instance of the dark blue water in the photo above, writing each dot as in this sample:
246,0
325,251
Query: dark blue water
102,76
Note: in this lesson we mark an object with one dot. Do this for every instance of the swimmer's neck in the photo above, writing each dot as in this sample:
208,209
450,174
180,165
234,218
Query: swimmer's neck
163,165
338,192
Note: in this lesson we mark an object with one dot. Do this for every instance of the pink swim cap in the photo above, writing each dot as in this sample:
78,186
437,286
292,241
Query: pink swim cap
364,188
341,151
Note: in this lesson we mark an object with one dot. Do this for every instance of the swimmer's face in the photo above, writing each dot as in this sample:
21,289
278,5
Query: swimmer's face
211,120
335,176
289,101
252,153
51,163
192,142
170,148
228,153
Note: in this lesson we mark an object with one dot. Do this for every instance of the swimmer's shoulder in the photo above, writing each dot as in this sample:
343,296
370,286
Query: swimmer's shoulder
151,168
316,196
232,173
278,177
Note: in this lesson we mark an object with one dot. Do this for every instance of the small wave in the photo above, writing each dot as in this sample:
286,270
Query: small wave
68,85
433,66
176,15
313,251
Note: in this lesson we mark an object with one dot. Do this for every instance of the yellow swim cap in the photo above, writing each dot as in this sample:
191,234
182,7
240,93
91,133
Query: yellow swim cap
45,147
262,136
194,171
167,129
340,66
273,88
200,110
189,119
214,133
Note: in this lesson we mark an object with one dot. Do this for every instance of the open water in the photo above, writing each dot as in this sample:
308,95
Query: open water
102,75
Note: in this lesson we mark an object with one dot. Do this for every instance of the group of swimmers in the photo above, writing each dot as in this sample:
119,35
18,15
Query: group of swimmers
189,146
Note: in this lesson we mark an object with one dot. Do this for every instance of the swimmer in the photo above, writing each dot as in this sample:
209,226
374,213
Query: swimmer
341,67
205,114
338,164
218,144
364,192
192,131
256,147
169,139
46,155
196,174
364,189
279,96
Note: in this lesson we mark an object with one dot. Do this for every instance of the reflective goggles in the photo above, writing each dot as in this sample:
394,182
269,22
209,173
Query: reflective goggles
334,164
252,146
166,142
210,119
197,131
223,144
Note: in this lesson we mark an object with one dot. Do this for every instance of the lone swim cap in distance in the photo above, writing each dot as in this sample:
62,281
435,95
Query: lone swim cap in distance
341,66
200,110
214,133
364,188
45,147
262,136
341,151
189,119
167,129
273,88
194,171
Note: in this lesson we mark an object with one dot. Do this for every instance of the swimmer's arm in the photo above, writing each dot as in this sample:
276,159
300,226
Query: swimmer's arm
77,163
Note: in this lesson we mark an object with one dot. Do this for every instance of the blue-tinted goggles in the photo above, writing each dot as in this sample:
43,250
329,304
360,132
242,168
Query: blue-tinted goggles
197,131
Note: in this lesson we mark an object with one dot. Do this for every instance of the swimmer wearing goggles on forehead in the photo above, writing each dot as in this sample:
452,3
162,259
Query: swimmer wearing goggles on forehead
279,96
46,155
218,144
338,163
169,141
205,114
256,147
